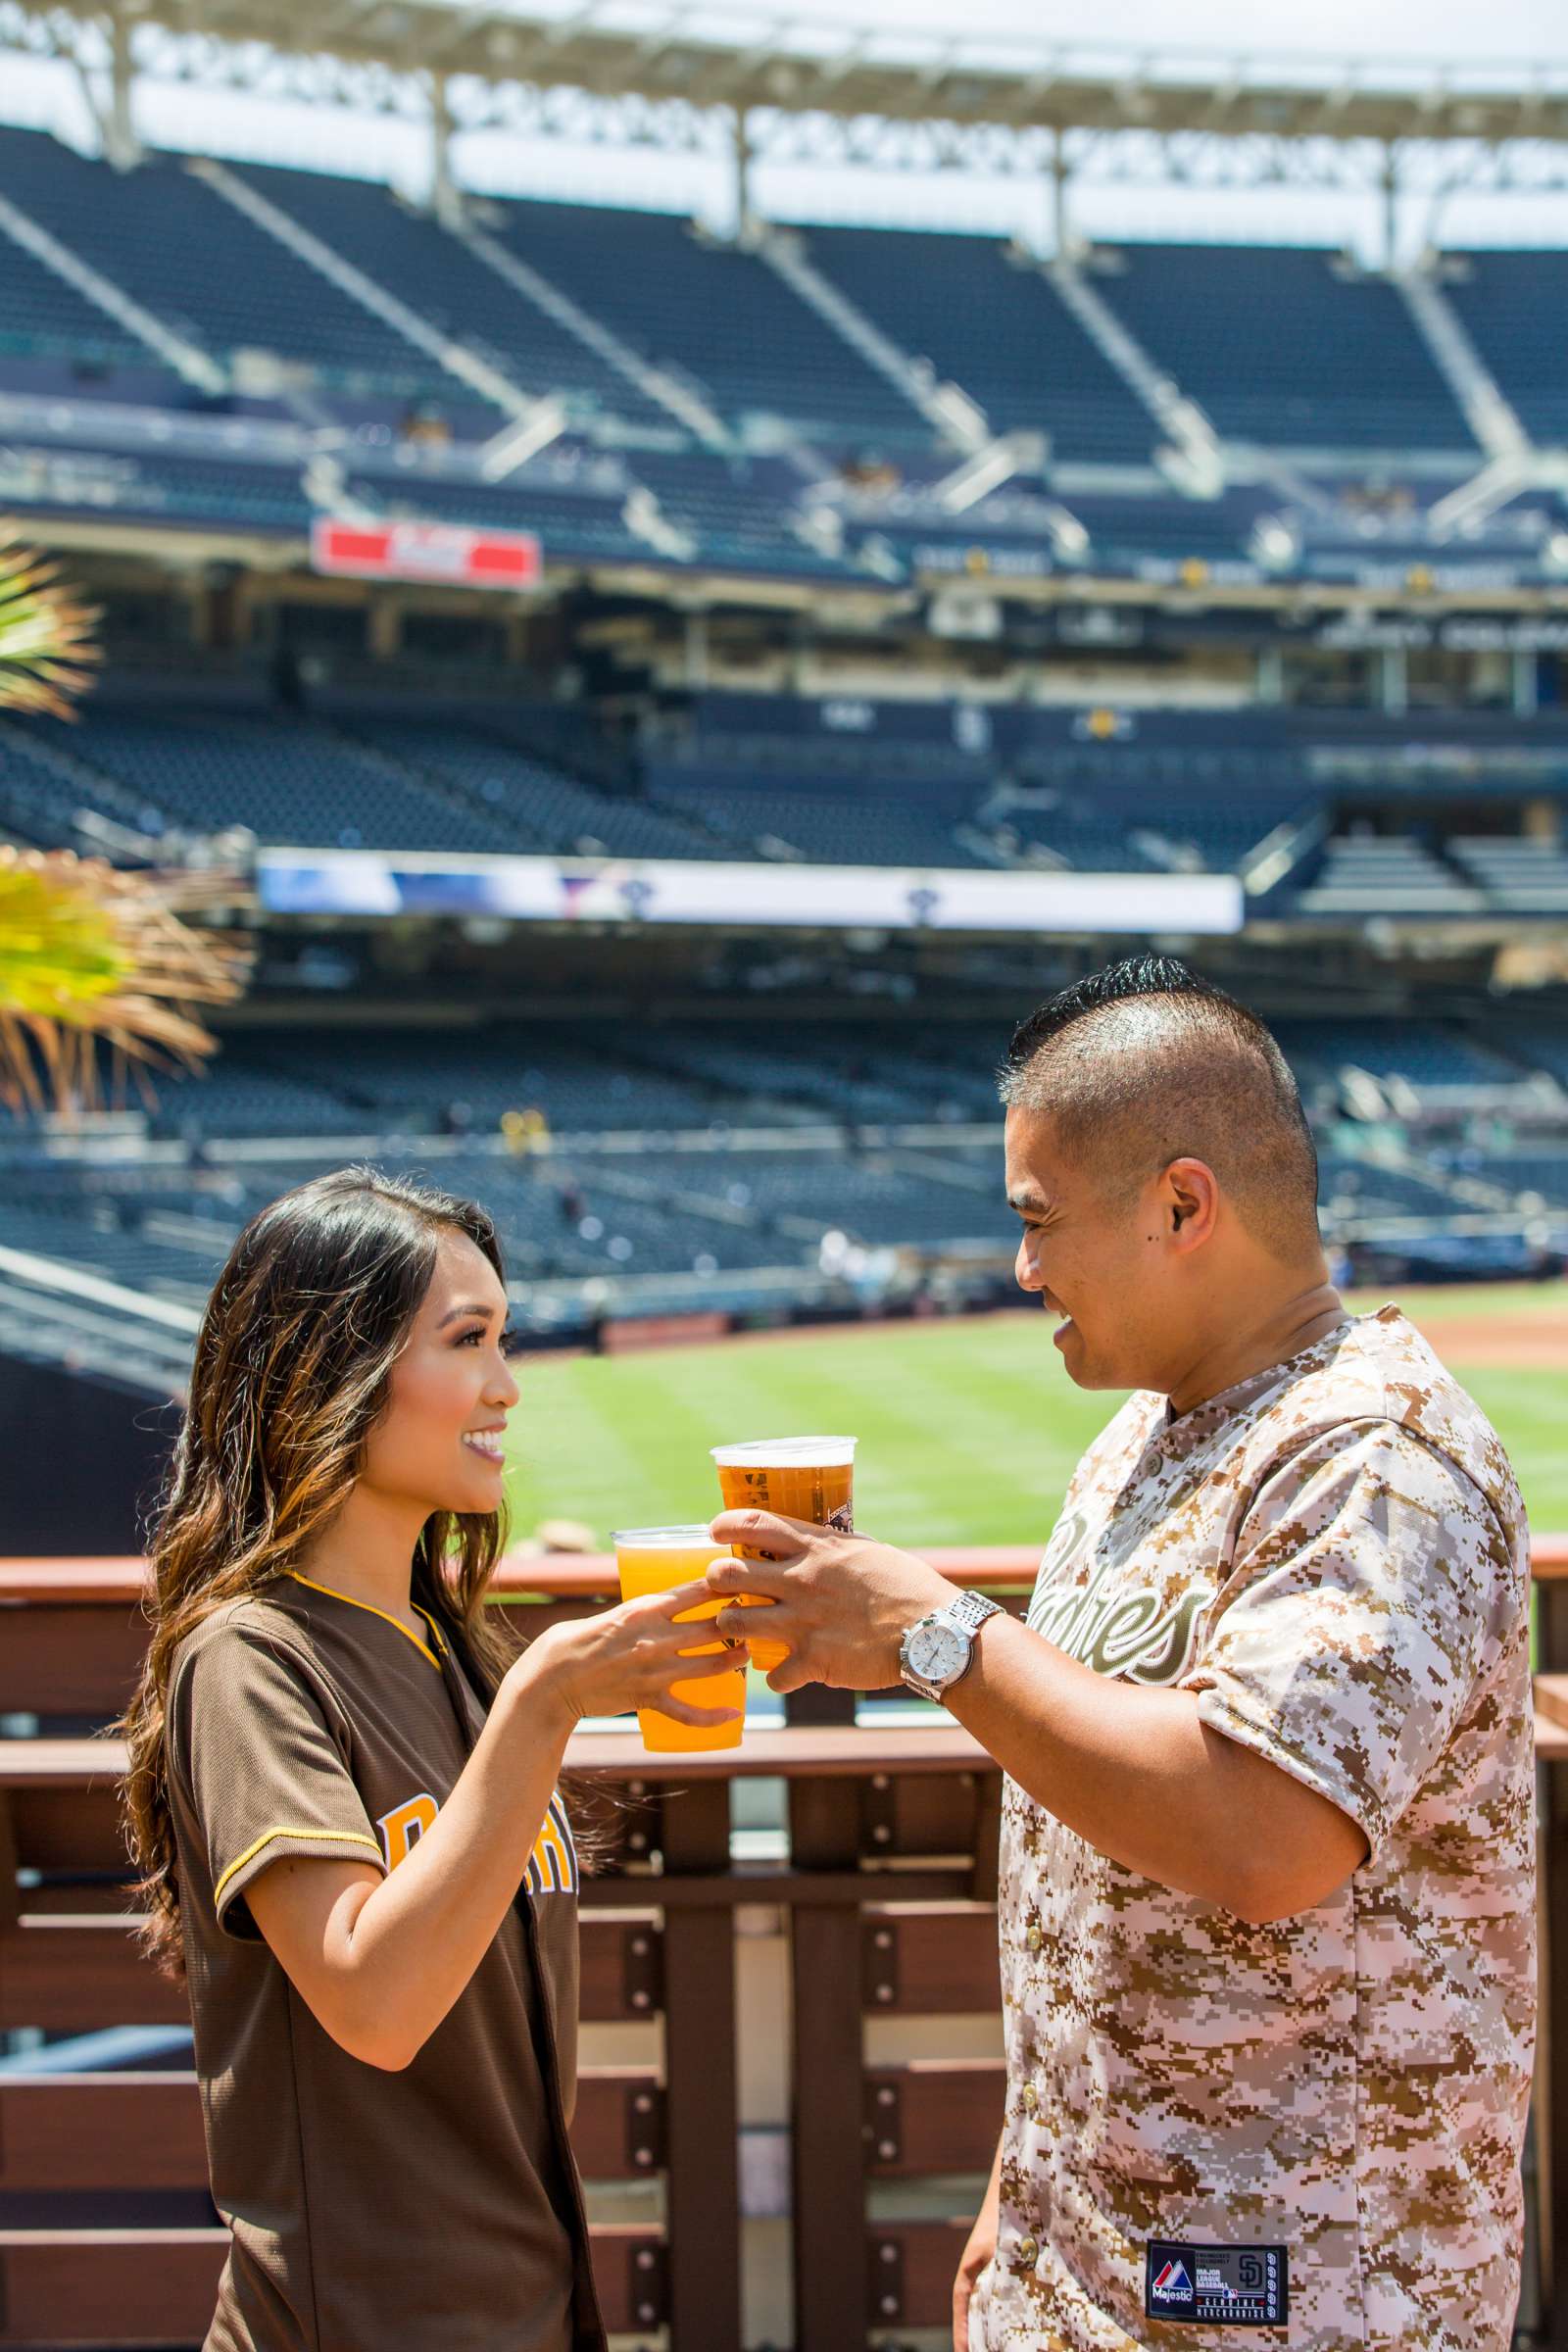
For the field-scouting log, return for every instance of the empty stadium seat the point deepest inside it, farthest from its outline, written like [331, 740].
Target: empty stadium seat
[718, 314]
[1511, 304]
[999, 330]
[167, 238]
[1520, 876]
[1388, 876]
[1286, 345]
[439, 276]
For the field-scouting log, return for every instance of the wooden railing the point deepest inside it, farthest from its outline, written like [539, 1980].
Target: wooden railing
[887, 1889]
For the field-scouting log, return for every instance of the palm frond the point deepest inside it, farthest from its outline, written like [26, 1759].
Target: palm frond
[46, 645]
[97, 965]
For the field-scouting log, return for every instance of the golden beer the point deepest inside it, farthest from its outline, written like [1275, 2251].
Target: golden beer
[655, 1559]
[798, 1478]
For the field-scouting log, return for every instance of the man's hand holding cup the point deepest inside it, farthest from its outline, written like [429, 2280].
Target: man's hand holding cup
[842, 1604]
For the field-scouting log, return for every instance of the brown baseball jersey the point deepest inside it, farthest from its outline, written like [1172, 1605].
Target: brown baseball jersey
[438, 2209]
[1308, 2130]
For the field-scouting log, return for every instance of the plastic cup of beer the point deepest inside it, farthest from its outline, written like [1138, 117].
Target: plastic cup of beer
[655, 1559]
[798, 1478]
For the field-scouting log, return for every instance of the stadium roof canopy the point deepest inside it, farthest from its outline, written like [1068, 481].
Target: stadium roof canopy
[750, 58]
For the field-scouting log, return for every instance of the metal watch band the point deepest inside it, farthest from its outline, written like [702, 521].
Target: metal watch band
[971, 1611]
[966, 1615]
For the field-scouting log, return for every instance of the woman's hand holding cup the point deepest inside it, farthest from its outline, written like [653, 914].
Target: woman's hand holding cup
[627, 1656]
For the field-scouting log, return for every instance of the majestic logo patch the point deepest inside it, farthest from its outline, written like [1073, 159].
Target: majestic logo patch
[1233, 2286]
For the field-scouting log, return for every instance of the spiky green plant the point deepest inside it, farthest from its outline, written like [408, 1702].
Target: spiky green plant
[100, 976]
[46, 642]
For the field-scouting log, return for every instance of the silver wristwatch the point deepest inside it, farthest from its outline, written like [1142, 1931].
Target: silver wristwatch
[937, 1649]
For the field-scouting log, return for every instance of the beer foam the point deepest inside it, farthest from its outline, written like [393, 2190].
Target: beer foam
[786, 1453]
[664, 1539]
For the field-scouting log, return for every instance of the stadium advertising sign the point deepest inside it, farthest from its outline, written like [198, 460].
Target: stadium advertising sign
[552, 889]
[425, 551]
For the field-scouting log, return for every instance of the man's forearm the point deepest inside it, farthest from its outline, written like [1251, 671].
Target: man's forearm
[1136, 1772]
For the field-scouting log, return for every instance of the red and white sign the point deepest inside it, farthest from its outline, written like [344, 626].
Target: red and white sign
[425, 551]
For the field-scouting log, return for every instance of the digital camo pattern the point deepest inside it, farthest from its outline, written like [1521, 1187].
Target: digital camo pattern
[1333, 1556]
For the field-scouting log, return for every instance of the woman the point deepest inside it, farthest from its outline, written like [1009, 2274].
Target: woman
[343, 1794]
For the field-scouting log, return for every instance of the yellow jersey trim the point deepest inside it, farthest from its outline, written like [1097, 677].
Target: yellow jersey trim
[385, 1616]
[337, 1837]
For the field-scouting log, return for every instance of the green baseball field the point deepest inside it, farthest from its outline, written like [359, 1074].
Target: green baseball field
[968, 1428]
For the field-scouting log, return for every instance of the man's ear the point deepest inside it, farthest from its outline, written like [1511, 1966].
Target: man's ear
[1190, 1198]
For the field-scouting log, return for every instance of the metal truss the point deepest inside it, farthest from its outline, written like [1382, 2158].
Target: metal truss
[642, 73]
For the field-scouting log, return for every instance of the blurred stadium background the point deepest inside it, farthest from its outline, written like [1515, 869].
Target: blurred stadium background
[829, 640]
[669, 693]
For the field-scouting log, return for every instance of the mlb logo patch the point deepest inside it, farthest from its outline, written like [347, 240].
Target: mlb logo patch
[1230, 2286]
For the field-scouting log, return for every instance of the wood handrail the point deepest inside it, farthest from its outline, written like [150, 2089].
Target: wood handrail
[794, 1751]
[840, 1751]
[577, 1575]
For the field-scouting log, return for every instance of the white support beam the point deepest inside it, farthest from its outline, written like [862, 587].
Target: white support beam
[1193, 437]
[121, 146]
[445, 197]
[678, 399]
[192, 366]
[454, 358]
[1495, 422]
[959, 419]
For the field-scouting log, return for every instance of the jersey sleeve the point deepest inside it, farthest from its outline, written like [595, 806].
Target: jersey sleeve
[254, 1743]
[1370, 1582]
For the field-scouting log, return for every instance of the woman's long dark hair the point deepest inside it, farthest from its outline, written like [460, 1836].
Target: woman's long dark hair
[304, 1325]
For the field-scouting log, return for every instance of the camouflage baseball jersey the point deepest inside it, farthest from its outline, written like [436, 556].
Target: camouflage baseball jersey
[1308, 2130]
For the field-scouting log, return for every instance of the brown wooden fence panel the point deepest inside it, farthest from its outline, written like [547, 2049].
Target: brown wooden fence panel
[933, 2114]
[80, 2287]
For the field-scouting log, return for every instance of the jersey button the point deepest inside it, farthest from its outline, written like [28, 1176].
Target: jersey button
[1035, 1937]
[1031, 2097]
[1028, 2249]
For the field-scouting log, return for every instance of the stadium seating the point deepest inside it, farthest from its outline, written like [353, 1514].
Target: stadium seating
[1519, 875]
[870, 828]
[167, 238]
[1390, 875]
[1349, 1188]
[583, 520]
[169, 486]
[440, 278]
[1510, 304]
[1286, 345]
[1435, 1062]
[288, 781]
[42, 317]
[1126, 532]
[718, 314]
[403, 1084]
[540, 807]
[613, 1197]
[741, 515]
[1000, 331]
[1542, 1172]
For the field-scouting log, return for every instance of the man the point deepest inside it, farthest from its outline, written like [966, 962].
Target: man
[1267, 1904]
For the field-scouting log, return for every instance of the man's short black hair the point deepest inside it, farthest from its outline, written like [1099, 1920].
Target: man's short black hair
[1144, 1062]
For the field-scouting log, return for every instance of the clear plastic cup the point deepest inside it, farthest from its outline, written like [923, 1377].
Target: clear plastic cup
[798, 1478]
[655, 1559]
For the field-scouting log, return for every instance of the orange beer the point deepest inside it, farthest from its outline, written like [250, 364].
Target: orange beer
[653, 1560]
[798, 1478]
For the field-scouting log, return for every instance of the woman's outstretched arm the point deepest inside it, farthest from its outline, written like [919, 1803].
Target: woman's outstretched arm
[379, 1961]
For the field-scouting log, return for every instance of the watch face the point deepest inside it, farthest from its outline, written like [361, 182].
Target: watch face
[937, 1654]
